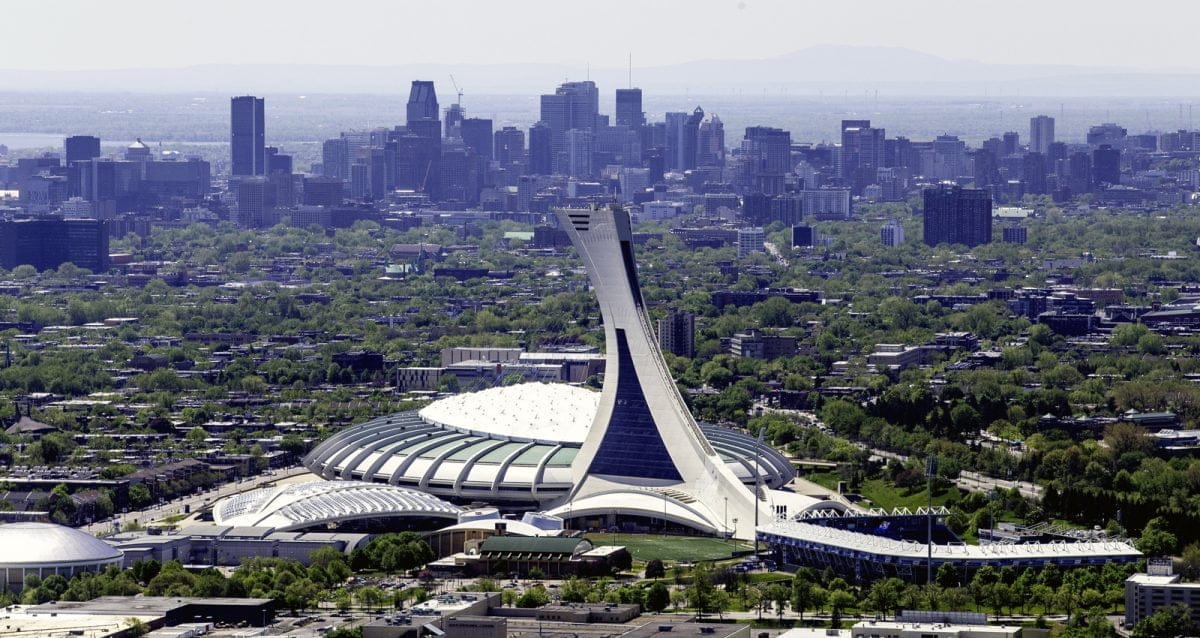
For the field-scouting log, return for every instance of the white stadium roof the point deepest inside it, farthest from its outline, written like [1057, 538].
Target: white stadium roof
[304, 505]
[539, 412]
[814, 534]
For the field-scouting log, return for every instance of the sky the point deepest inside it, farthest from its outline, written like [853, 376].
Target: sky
[112, 34]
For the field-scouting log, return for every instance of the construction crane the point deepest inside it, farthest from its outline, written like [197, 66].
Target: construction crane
[457, 89]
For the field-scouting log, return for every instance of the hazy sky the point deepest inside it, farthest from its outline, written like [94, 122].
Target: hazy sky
[85, 34]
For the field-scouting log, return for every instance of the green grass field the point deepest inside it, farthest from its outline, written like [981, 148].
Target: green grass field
[646, 547]
[882, 494]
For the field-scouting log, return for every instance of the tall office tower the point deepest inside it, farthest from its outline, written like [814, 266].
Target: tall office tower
[454, 119]
[863, 152]
[81, 147]
[767, 154]
[247, 137]
[335, 158]
[381, 174]
[1033, 173]
[750, 240]
[251, 205]
[1106, 166]
[1041, 134]
[987, 167]
[629, 108]
[360, 180]
[949, 157]
[460, 174]
[688, 140]
[509, 145]
[541, 149]
[1079, 173]
[675, 123]
[49, 242]
[891, 234]
[644, 450]
[710, 143]
[580, 146]
[477, 136]
[677, 334]
[956, 215]
[574, 105]
[1056, 153]
[281, 187]
[422, 102]
[1012, 143]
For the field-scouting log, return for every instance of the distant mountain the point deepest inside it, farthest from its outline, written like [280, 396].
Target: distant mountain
[825, 68]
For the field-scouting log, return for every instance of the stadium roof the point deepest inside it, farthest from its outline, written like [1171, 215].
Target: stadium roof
[304, 505]
[540, 412]
[819, 536]
[509, 444]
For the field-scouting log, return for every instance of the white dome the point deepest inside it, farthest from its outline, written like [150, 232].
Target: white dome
[47, 544]
[552, 412]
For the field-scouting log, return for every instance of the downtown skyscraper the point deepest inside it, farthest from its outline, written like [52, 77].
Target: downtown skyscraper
[247, 136]
[573, 105]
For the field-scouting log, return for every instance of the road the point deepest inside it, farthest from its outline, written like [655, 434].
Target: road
[773, 251]
[192, 502]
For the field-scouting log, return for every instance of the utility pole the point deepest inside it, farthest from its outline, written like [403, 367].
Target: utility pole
[931, 467]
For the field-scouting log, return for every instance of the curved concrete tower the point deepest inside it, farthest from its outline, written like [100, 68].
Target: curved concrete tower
[644, 454]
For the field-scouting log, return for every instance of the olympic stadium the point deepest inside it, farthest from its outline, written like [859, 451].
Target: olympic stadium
[510, 446]
[630, 457]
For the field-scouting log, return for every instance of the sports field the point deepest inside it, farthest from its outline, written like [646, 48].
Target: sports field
[646, 547]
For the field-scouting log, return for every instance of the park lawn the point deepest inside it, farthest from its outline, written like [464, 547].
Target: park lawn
[646, 547]
[887, 496]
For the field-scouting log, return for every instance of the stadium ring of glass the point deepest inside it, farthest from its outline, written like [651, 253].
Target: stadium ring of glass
[510, 445]
[46, 549]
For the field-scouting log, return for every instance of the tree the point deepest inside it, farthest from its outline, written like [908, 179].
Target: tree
[534, 597]
[301, 594]
[779, 596]
[1189, 562]
[655, 569]
[1155, 540]
[839, 601]
[508, 597]
[370, 597]
[139, 496]
[884, 595]
[341, 600]
[657, 597]
[1168, 622]
[804, 595]
[947, 576]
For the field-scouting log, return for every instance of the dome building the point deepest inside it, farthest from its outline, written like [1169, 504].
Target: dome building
[46, 549]
[510, 446]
